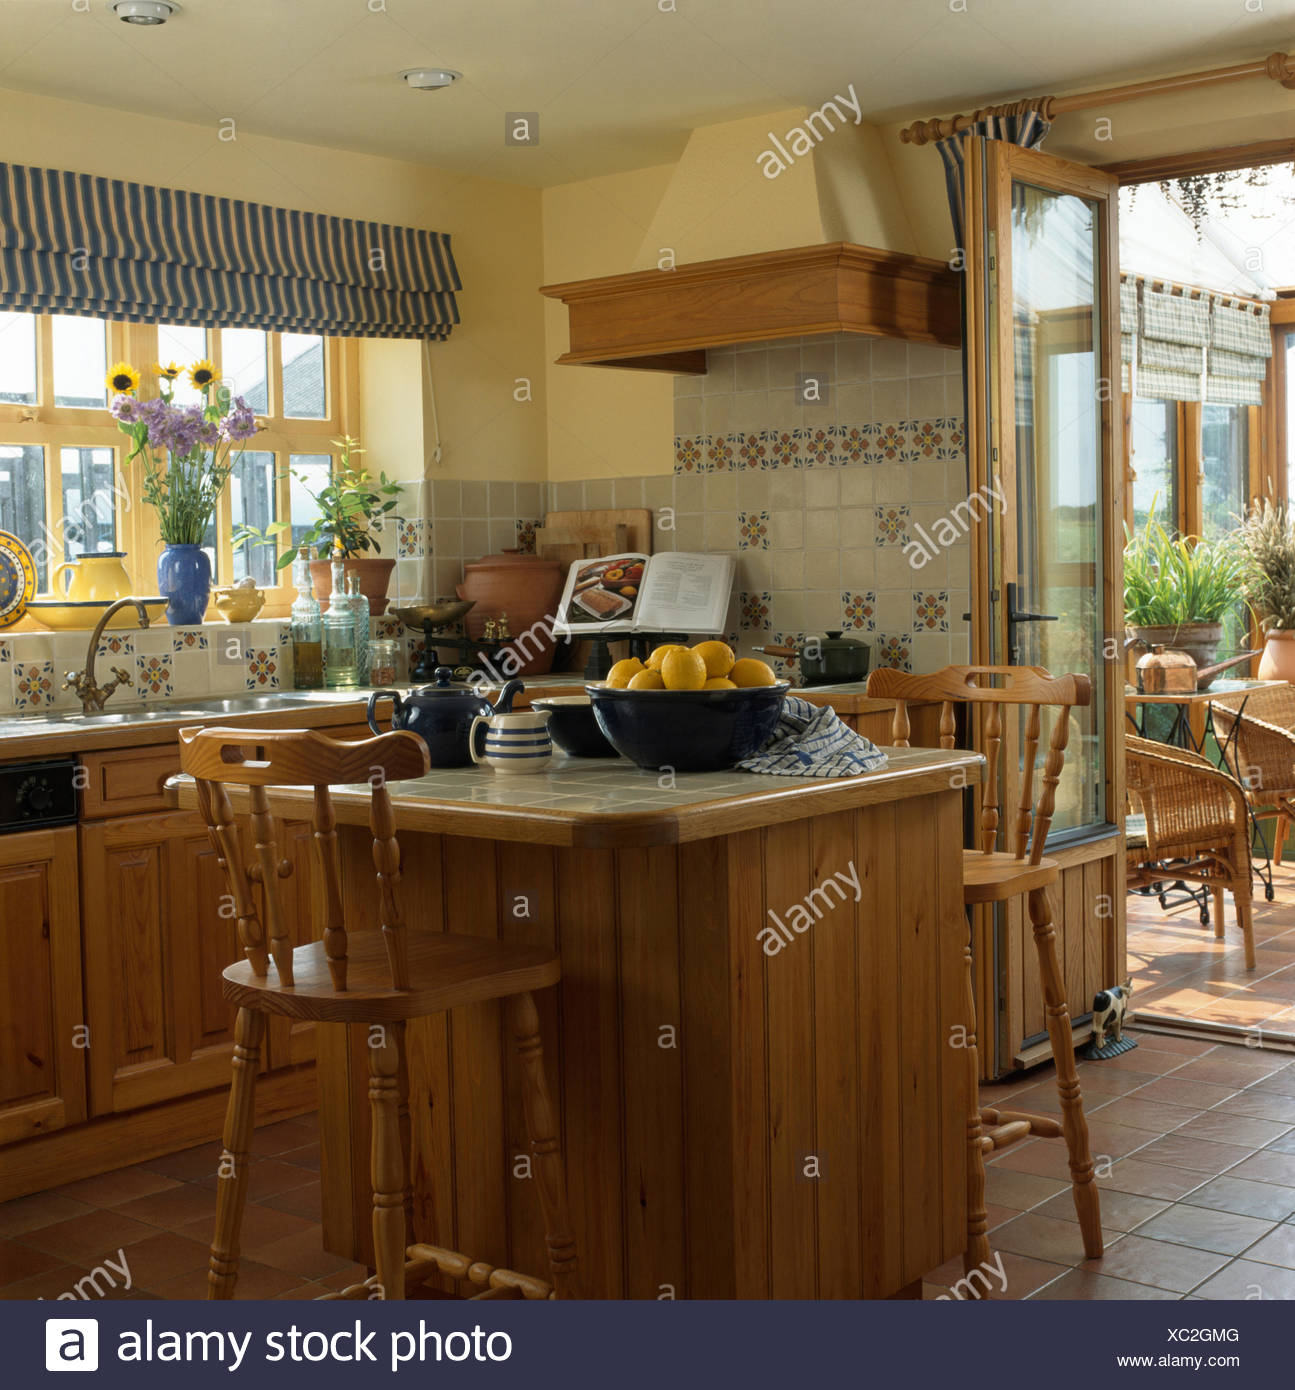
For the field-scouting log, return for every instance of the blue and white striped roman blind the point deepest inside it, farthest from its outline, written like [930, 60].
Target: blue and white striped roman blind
[76, 244]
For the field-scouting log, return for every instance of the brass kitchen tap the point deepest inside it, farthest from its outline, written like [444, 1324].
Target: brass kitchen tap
[83, 682]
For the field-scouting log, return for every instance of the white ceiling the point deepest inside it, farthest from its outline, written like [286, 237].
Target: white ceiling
[618, 84]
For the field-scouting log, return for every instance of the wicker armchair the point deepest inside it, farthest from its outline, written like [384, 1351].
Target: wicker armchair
[1259, 744]
[1196, 818]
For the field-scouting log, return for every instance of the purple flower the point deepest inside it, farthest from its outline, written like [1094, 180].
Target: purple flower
[125, 408]
[239, 424]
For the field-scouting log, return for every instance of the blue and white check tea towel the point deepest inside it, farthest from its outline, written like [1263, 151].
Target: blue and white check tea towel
[813, 742]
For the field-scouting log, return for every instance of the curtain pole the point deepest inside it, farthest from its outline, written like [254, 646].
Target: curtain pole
[1279, 67]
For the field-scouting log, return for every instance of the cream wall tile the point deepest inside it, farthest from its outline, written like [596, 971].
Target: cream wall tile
[720, 373]
[892, 570]
[822, 487]
[719, 415]
[720, 492]
[891, 482]
[889, 359]
[476, 540]
[858, 486]
[822, 609]
[859, 568]
[927, 359]
[627, 492]
[501, 499]
[926, 398]
[685, 384]
[927, 480]
[446, 497]
[822, 528]
[823, 568]
[689, 492]
[784, 364]
[752, 412]
[720, 531]
[787, 610]
[854, 404]
[755, 569]
[786, 529]
[787, 489]
[530, 499]
[853, 357]
[788, 569]
[890, 399]
[569, 497]
[818, 358]
[658, 491]
[449, 538]
[754, 489]
[503, 535]
[474, 501]
[598, 493]
[689, 417]
[751, 371]
[785, 410]
[689, 533]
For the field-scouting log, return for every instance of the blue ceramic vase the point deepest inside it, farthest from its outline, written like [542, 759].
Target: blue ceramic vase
[184, 580]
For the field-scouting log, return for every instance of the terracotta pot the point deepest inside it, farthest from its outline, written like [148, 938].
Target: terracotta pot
[1278, 661]
[527, 589]
[375, 578]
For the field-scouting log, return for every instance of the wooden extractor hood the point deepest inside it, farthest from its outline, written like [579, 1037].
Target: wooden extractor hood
[664, 320]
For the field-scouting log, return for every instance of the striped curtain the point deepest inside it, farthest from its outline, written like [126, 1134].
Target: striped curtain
[1240, 345]
[76, 244]
[1025, 128]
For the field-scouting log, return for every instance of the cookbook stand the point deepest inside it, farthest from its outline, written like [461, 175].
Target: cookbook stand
[641, 643]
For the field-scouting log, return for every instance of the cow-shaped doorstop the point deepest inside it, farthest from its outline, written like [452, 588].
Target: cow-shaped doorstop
[1110, 1007]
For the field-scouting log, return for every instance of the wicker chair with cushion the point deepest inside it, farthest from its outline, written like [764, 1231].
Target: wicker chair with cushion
[1194, 827]
[1258, 740]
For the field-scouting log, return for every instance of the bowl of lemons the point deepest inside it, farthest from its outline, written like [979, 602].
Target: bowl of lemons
[688, 709]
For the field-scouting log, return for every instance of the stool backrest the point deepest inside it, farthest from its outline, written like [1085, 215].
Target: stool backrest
[218, 759]
[995, 687]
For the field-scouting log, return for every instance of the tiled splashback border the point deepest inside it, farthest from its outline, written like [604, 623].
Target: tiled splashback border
[829, 446]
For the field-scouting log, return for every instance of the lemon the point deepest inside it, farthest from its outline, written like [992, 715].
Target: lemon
[623, 672]
[647, 680]
[749, 672]
[718, 657]
[682, 669]
[719, 683]
[658, 656]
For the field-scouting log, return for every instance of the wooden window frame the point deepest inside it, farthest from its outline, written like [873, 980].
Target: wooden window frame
[53, 428]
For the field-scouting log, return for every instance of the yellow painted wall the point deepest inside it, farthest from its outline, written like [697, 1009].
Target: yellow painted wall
[497, 244]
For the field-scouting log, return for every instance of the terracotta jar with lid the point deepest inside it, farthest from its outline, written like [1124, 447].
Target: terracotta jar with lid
[527, 589]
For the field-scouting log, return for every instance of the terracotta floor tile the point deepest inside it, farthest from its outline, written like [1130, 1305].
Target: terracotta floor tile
[1047, 1158]
[19, 1261]
[305, 1157]
[40, 1209]
[1172, 1042]
[996, 1215]
[1284, 1144]
[1276, 1248]
[283, 1135]
[177, 1205]
[1222, 1128]
[302, 1255]
[353, 1274]
[62, 1278]
[1144, 1058]
[1260, 1105]
[87, 1239]
[254, 1281]
[262, 1225]
[1112, 1140]
[1157, 1262]
[112, 1189]
[1199, 1155]
[1019, 1190]
[304, 1291]
[271, 1175]
[1232, 1071]
[1267, 1166]
[1280, 1083]
[1045, 1238]
[1246, 1198]
[1090, 1286]
[1121, 1211]
[1102, 1080]
[1205, 1228]
[1146, 1114]
[1249, 1280]
[300, 1201]
[1145, 1179]
[188, 1165]
[1199, 1095]
[161, 1257]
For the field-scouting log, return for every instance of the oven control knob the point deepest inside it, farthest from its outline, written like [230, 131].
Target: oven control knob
[34, 796]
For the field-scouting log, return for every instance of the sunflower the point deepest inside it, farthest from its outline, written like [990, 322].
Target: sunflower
[170, 370]
[122, 377]
[203, 374]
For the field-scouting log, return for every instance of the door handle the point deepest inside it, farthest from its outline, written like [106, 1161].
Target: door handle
[1016, 616]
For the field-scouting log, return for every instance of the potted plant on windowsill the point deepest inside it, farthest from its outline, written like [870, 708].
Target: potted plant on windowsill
[1179, 589]
[353, 508]
[1267, 541]
[188, 454]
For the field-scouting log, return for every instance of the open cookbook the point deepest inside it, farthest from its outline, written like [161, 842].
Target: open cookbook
[676, 591]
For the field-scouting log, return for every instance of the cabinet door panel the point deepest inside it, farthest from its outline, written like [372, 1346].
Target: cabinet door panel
[42, 1056]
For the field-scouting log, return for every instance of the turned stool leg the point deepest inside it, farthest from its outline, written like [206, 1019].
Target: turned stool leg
[231, 1176]
[541, 1129]
[386, 1044]
[1073, 1124]
[977, 1251]
[1218, 913]
[1245, 920]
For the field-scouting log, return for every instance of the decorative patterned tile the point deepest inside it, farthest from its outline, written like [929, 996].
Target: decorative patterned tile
[782, 668]
[188, 639]
[817, 446]
[115, 644]
[6, 657]
[720, 454]
[859, 610]
[753, 608]
[926, 438]
[285, 635]
[890, 441]
[690, 453]
[387, 625]
[893, 650]
[526, 529]
[753, 530]
[411, 543]
[749, 450]
[782, 449]
[930, 611]
[415, 646]
[33, 684]
[153, 677]
[892, 525]
[263, 669]
[955, 437]
[853, 445]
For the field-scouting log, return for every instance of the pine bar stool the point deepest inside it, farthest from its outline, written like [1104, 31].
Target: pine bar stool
[991, 875]
[375, 978]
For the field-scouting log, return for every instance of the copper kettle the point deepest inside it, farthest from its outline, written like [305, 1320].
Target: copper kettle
[1166, 671]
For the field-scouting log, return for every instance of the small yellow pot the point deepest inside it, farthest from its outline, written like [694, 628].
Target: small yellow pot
[237, 605]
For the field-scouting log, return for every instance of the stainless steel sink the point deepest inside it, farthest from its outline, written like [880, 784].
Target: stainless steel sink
[243, 704]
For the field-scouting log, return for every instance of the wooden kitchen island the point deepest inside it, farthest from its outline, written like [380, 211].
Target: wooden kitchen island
[741, 1119]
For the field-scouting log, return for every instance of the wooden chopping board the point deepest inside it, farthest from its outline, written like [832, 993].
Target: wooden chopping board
[595, 532]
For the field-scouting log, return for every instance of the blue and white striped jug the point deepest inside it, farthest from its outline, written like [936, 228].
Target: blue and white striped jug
[514, 742]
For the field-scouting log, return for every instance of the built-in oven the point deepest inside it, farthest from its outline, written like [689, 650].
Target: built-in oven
[37, 794]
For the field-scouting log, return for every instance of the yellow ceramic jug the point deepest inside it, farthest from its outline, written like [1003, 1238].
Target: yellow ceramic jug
[95, 578]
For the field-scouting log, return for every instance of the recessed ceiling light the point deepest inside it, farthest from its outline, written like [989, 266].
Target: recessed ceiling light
[429, 79]
[148, 12]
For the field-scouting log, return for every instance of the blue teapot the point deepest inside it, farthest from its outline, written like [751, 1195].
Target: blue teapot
[442, 714]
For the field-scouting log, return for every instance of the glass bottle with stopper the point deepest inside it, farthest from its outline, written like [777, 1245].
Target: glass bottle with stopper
[307, 631]
[360, 612]
[339, 635]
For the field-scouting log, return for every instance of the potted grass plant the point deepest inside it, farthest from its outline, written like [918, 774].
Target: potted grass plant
[1267, 542]
[1179, 590]
[187, 453]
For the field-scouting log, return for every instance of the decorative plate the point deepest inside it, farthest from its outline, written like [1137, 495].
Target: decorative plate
[17, 579]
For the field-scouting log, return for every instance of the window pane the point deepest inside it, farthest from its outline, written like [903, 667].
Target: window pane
[243, 368]
[22, 501]
[80, 362]
[316, 469]
[1155, 462]
[184, 347]
[18, 359]
[1225, 466]
[252, 503]
[89, 504]
[1290, 415]
[304, 394]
